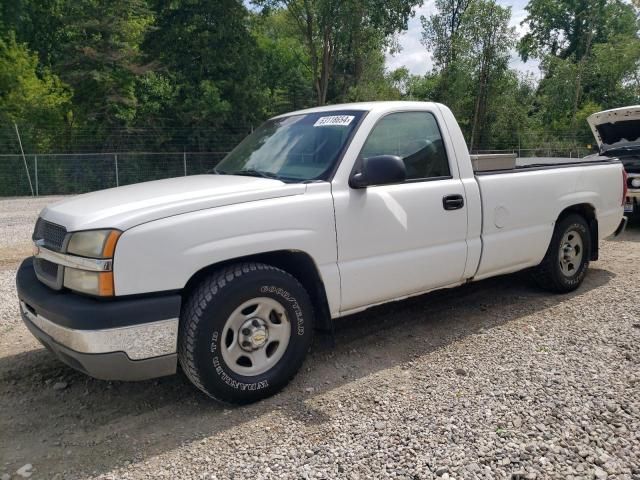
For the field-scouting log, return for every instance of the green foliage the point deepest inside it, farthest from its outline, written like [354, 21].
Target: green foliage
[565, 28]
[32, 97]
[285, 73]
[214, 57]
[341, 36]
[590, 59]
[613, 73]
[471, 42]
[91, 75]
[442, 32]
[101, 59]
[38, 23]
[374, 83]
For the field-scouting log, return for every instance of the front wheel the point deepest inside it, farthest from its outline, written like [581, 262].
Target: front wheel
[565, 264]
[244, 332]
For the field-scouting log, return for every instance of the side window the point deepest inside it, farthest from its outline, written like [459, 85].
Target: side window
[413, 136]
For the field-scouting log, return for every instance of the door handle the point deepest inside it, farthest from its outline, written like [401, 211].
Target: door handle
[452, 202]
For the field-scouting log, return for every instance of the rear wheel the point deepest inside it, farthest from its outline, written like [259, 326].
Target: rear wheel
[565, 264]
[244, 332]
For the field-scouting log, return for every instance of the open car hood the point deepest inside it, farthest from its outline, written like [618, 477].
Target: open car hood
[618, 127]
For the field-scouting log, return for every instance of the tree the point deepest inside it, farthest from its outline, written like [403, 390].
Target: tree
[613, 74]
[39, 24]
[490, 39]
[565, 28]
[283, 62]
[30, 94]
[374, 82]
[213, 58]
[334, 29]
[590, 53]
[441, 31]
[101, 58]
[471, 42]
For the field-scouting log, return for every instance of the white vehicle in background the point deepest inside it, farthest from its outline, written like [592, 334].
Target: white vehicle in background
[617, 133]
[316, 215]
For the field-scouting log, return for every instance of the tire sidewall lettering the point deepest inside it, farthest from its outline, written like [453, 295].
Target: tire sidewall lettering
[291, 300]
[235, 384]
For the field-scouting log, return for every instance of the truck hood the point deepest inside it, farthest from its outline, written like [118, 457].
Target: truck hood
[615, 128]
[131, 205]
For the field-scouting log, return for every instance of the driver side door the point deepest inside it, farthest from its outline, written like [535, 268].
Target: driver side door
[402, 239]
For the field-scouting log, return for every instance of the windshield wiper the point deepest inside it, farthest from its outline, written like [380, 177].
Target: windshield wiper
[250, 172]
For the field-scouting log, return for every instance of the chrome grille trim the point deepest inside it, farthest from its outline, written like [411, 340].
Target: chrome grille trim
[73, 261]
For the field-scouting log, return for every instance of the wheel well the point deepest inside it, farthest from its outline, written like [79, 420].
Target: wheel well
[588, 212]
[297, 263]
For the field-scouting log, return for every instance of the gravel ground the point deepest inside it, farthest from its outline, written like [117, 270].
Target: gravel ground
[17, 216]
[492, 380]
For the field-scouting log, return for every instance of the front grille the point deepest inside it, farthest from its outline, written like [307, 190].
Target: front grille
[48, 273]
[51, 234]
[48, 268]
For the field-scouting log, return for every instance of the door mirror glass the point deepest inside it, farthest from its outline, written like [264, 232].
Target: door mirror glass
[379, 170]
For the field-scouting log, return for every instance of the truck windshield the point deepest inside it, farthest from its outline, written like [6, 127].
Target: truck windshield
[294, 148]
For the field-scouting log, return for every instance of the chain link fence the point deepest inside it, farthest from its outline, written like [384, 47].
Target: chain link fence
[62, 174]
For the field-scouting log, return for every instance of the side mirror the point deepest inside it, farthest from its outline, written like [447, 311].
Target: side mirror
[380, 170]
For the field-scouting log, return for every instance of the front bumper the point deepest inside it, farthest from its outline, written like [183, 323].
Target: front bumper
[115, 339]
[633, 193]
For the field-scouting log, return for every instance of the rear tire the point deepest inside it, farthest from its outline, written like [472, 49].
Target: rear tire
[565, 264]
[244, 332]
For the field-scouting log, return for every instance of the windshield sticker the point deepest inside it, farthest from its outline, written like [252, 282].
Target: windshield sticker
[340, 120]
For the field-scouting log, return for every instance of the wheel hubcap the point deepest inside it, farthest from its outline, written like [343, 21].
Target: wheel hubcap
[255, 336]
[571, 252]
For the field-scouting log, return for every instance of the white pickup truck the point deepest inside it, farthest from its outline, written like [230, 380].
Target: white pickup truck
[317, 214]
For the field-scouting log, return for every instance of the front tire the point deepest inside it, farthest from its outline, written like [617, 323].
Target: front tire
[244, 332]
[567, 259]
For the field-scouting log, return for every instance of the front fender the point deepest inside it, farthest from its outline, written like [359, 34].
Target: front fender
[164, 254]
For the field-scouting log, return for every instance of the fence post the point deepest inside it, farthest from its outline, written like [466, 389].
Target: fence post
[24, 158]
[184, 162]
[117, 179]
[36, 167]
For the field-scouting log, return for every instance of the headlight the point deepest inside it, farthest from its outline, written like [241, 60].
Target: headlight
[93, 243]
[93, 283]
[635, 182]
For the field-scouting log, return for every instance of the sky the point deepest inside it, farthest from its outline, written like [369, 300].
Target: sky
[417, 59]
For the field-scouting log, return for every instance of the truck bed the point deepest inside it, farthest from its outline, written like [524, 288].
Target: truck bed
[530, 163]
[520, 204]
